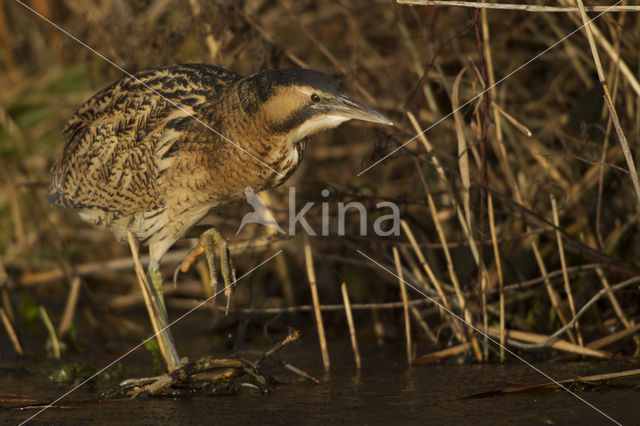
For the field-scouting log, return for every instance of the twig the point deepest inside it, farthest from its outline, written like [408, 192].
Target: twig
[292, 336]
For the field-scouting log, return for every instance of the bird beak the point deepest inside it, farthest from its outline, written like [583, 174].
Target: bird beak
[343, 106]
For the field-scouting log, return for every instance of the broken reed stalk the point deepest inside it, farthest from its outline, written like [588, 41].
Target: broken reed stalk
[53, 336]
[311, 274]
[13, 336]
[438, 356]
[403, 294]
[518, 7]
[352, 329]
[540, 341]
[563, 262]
[70, 307]
[496, 256]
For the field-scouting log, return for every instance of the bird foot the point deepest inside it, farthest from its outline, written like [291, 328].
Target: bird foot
[209, 241]
[210, 375]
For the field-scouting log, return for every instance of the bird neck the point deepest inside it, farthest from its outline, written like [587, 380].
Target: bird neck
[257, 133]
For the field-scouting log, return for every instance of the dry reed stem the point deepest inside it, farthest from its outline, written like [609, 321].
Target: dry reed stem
[145, 289]
[613, 299]
[437, 356]
[4, 292]
[322, 48]
[614, 337]
[496, 256]
[423, 324]
[299, 372]
[497, 116]
[352, 329]
[292, 57]
[70, 307]
[415, 269]
[405, 305]
[583, 310]
[629, 325]
[212, 44]
[611, 51]
[13, 336]
[563, 262]
[464, 220]
[53, 336]
[462, 336]
[518, 7]
[575, 55]
[557, 384]
[311, 274]
[500, 112]
[126, 263]
[542, 340]
[452, 273]
[601, 168]
[610, 105]
[425, 265]
[6, 303]
[415, 56]
[463, 152]
[551, 292]
[281, 262]
[16, 213]
[182, 303]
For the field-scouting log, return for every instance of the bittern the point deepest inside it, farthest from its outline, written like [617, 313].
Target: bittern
[151, 154]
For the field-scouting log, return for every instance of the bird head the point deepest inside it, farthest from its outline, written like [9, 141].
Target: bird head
[297, 103]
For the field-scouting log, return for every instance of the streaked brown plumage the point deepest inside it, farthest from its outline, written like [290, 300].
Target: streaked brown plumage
[154, 153]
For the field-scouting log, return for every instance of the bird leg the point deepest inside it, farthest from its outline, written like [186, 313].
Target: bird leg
[155, 306]
[209, 241]
[165, 340]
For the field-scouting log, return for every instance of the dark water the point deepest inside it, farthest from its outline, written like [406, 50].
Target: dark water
[384, 391]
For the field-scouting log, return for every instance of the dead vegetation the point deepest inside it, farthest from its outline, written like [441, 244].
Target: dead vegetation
[512, 161]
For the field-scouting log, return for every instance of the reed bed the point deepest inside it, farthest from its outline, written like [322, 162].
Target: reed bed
[512, 160]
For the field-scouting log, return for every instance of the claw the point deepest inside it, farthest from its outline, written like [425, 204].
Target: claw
[209, 241]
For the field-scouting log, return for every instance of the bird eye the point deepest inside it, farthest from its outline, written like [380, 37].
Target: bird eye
[315, 98]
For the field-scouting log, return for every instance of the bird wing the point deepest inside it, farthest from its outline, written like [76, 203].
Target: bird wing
[112, 158]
